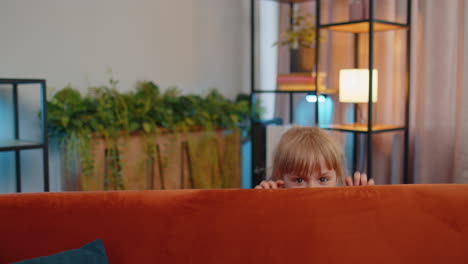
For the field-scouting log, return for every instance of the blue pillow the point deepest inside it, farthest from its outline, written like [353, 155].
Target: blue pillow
[91, 253]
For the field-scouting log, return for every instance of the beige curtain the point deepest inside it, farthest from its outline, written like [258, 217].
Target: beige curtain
[439, 122]
[439, 113]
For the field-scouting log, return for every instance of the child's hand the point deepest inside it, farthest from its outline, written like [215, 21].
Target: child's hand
[270, 185]
[360, 179]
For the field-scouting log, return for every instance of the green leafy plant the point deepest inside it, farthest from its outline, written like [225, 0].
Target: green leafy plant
[74, 120]
[301, 34]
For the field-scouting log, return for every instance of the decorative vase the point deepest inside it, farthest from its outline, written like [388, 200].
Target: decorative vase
[302, 59]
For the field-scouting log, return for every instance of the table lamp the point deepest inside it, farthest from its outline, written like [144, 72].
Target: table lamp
[354, 87]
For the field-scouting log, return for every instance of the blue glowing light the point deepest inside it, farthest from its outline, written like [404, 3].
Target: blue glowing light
[311, 98]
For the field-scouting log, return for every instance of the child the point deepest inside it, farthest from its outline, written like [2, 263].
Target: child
[308, 157]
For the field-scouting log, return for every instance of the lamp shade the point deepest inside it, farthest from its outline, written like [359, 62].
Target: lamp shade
[354, 85]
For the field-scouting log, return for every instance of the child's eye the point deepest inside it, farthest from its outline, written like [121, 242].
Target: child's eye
[323, 179]
[300, 180]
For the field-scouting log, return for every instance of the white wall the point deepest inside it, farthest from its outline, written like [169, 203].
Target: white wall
[192, 44]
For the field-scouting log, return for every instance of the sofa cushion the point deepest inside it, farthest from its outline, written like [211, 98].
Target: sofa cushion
[91, 253]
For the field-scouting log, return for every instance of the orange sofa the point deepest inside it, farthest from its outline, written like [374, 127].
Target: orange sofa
[377, 224]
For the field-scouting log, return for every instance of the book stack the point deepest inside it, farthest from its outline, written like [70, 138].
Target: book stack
[301, 82]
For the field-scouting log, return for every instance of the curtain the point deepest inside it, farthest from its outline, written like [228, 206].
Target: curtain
[439, 121]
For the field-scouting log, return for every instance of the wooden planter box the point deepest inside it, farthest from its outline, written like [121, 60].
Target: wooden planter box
[197, 159]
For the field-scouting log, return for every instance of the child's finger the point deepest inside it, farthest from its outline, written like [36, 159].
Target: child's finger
[371, 182]
[349, 181]
[265, 185]
[280, 183]
[363, 179]
[357, 177]
[273, 185]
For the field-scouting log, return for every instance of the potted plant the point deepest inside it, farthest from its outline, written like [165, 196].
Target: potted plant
[113, 140]
[301, 40]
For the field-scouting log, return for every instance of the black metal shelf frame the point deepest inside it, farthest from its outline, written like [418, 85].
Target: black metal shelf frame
[357, 131]
[354, 22]
[17, 144]
[371, 24]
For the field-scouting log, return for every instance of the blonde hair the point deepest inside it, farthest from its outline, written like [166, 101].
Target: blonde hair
[301, 151]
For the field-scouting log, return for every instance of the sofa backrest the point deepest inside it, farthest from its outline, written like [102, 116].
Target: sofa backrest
[376, 224]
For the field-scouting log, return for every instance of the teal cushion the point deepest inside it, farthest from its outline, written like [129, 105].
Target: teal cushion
[91, 253]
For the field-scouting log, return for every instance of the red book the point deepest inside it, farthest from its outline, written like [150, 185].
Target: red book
[300, 81]
[295, 79]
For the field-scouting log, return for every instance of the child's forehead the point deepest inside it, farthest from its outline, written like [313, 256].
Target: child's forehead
[310, 171]
[310, 174]
[317, 164]
[306, 162]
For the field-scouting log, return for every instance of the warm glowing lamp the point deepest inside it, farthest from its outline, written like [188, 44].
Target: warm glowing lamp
[354, 86]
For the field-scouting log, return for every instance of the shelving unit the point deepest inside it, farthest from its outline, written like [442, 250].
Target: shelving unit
[370, 26]
[17, 144]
